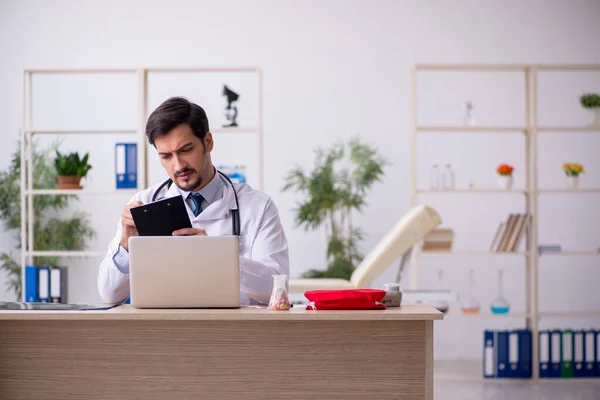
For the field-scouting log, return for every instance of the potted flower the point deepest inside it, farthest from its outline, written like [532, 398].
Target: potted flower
[70, 168]
[572, 172]
[591, 101]
[505, 180]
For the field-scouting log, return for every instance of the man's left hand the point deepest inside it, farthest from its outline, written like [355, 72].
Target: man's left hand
[190, 232]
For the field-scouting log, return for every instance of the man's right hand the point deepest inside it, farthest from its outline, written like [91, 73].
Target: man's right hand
[127, 224]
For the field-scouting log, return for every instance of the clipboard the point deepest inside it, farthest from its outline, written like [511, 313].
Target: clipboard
[162, 217]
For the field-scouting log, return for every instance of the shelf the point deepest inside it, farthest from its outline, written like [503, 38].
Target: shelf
[472, 253]
[568, 191]
[66, 253]
[498, 129]
[79, 191]
[571, 253]
[486, 314]
[570, 314]
[475, 191]
[234, 130]
[82, 131]
[591, 129]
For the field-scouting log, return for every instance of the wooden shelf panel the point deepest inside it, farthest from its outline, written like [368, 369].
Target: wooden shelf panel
[80, 191]
[474, 191]
[82, 131]
[459, 129]
[567, 129]
[66, 253]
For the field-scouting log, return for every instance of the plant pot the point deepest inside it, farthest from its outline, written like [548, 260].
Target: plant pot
[505, 181]
[69, 182]
[572, 182]
[594, 116]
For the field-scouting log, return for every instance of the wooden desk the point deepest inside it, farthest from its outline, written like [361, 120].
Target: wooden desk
[250, 353]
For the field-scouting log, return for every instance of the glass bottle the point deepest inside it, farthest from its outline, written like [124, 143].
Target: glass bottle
[448, 178]
[471, 305]
[279, 295]
[468, 118]
[440, 305]
[434, 178]
[500, 305]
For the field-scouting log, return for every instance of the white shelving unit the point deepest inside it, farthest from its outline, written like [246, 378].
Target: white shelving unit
[28, 131]
[531, 130]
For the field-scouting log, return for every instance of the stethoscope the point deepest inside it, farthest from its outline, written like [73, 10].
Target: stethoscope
[235, 214]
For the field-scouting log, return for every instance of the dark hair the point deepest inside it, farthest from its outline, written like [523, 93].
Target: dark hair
[174, 112]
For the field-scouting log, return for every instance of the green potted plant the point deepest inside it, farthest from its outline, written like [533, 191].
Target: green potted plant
[336, 187]
[50, 231]
[591, 101]
[70, 168]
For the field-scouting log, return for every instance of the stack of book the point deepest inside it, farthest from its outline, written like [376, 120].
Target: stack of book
[438, 240]
[510, 233]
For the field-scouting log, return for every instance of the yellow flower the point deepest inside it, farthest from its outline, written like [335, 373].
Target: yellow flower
[573, 169]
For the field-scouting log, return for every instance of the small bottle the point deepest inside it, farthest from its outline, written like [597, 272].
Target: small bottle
[434, 178]
[448, 178]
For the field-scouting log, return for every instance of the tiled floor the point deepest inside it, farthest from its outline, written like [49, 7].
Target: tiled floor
[462, 381]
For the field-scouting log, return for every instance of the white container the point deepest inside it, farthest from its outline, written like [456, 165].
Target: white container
[434, 178]
[594, 116]
[572, 182]
[505, 181]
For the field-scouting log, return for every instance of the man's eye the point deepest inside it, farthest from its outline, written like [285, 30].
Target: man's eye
[166, 157]
[185, 150]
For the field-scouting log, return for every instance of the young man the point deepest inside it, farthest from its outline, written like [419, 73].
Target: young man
[180, 133]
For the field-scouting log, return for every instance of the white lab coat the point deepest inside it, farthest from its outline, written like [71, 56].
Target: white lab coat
[263, 253]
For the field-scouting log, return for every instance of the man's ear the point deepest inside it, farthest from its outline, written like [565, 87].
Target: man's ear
[208, 142]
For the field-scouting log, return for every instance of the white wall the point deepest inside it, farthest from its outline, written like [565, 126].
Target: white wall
[337, 68]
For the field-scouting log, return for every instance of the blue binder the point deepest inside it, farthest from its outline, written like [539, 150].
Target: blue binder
[525, 354]
[502, 361]
[589, 354]
[126, 165]
[489, 362]
[31, 284]
[579, 354]
[597, 353]
[544, 353]
[555, 353]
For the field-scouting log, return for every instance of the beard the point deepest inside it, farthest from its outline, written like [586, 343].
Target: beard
[190, 182]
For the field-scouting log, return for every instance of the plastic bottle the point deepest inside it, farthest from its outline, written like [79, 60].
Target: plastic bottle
[448, 178]
[434, 178]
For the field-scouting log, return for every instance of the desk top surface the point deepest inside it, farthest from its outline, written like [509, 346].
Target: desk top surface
[415, 312]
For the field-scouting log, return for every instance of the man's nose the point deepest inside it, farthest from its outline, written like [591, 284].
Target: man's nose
[180, 165]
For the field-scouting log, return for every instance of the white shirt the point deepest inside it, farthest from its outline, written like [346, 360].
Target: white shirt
[263, 253]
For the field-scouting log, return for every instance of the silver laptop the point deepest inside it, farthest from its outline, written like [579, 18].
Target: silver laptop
[184, 271]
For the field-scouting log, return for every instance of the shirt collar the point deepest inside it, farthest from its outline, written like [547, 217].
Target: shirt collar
[209, 192]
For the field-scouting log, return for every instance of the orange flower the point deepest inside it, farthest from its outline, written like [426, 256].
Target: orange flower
[504, 169]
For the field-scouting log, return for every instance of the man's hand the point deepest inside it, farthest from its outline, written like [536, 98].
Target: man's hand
[190, 232]
[127, 224]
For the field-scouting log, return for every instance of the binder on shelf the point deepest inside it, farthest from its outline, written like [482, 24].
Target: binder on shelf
[126, 165]
[43, 284]
[524, 354]
[578, 354]
[502, 356]
[513, 354]
[555, 353]
[597, 334]
[567, 354]
[31, 284]
[544, 354]
[58, 285]
[589, 361]
[489, 362]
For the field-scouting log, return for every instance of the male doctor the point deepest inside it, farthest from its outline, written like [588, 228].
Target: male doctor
[179, 131]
